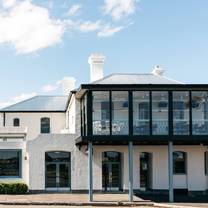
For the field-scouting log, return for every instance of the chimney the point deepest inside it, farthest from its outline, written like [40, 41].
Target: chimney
[96, 62]
[158, 71]
[68, 84]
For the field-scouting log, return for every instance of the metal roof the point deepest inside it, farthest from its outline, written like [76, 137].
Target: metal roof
[39, 103]
[135, 79]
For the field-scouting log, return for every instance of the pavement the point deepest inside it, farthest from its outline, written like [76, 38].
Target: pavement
[105, 200]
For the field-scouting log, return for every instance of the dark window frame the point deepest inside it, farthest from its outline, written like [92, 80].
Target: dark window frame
[183, 170]
[16, 122]
[43, 128]
[20, 163]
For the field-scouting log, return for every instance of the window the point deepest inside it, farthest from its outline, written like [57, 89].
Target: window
[10, 163]
[160, 113]
[101, 113]
[16, 122]
[180, 113]
[120, 113]
[45, 125]
[179, 163]
[200, 113]
[141, 113]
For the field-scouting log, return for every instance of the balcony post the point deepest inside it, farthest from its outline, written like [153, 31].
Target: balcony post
[90, 172]
[130, 158]
[170, 171]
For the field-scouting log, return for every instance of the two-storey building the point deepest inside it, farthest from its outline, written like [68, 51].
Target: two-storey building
[122, 132]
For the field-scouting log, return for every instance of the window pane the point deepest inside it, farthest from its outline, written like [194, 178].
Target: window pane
[120, 113]
[179, 163]
[101, 113]
[45, 125]
[16, 122]
[200, 113]
[160, 113]
[10, 163]
[181, 113]
[141, 113]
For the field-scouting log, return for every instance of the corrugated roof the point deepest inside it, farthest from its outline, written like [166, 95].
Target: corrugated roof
[40, 103]
[135, 79]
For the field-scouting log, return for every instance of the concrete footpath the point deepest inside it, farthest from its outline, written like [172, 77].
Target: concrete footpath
[105, 200]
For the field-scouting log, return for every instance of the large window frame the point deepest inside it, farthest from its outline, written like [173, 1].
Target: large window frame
[87, 129]
[19, 151]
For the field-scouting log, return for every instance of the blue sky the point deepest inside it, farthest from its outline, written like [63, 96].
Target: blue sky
[42, 41]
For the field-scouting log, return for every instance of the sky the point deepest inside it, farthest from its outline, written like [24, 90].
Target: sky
[43, 41]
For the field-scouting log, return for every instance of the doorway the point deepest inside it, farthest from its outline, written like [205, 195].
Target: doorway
[57, 171]
[145, 171]
[111, 171]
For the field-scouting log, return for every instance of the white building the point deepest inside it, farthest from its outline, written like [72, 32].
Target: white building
[122, 132]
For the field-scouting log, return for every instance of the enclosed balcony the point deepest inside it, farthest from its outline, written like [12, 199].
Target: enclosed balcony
[179, 114]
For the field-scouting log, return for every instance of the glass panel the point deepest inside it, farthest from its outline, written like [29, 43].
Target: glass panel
[179, 163]
[120, 111]
[51, 175]
[200, 113]
[57, 157]
[111, 156]
[101, 113]
[160, 113]
[141, 113]
[45, 125]
[115, 175]
[10, 163]
[111, 171]
[64, 175]
[105, 176]
[181, 113]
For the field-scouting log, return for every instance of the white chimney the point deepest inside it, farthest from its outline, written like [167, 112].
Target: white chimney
[158, 71]
[68, 84]
[96, 62]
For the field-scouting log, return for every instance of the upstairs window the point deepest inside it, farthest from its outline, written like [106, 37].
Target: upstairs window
[16, 122]
[179, 163]
[45, 125]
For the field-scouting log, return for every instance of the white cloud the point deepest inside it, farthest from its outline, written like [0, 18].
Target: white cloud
[74, 9]
[108, 31]
[8, 3]
[29, 27]
[89, 26]
[118, 9]
[17, 99]
[51, 87]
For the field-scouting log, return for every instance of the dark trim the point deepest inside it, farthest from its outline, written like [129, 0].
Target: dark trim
[190, 112]
[150, 112]
[130, 113]
[4, 119]
[170, 111]
[143, 140]
[64, 111]
[89, 113]
[110, 104]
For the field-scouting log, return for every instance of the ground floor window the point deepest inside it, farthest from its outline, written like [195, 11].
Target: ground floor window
[58, 170]
[10, 163]
[179, 162]
[111, 171]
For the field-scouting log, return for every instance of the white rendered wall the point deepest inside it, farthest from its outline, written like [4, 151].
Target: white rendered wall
[32, 121]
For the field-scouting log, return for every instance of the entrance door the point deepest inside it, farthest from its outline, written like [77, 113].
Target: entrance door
[58, 171]
[145, 171]
[111, 171]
